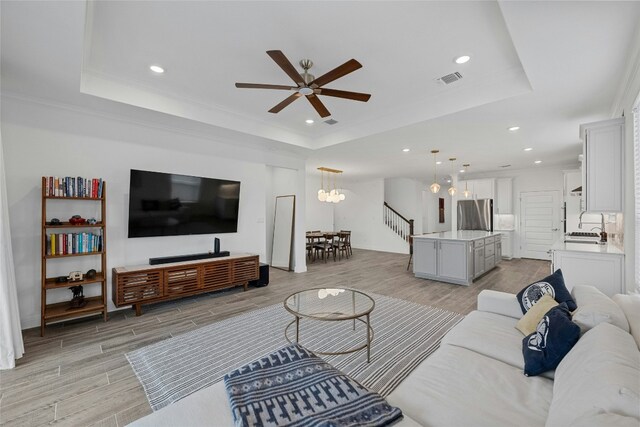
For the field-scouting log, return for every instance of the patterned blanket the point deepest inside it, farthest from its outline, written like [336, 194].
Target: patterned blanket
[293, 387]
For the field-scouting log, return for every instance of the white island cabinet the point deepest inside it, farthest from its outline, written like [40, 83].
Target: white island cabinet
[455, 257]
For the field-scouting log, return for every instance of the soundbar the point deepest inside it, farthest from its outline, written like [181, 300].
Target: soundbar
[192, 257]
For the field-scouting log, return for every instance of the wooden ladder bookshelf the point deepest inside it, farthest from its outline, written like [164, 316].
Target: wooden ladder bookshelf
[95, 305]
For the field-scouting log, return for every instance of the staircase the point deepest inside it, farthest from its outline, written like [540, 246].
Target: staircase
[397, 223]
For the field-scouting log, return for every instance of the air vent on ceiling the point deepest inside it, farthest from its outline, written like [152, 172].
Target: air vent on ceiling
[450, 78]
[331, 122]
[505, 166]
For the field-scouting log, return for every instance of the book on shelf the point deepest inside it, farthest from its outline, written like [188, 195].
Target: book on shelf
[73, 187]
[73, 243]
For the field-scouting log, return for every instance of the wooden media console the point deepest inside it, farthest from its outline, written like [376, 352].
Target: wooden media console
[147, 284]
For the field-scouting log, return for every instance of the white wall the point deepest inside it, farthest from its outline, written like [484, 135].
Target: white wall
[361, 212]
[319, 215]
[40, 140]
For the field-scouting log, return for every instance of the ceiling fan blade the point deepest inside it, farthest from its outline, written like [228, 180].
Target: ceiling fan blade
[286, 66]
[356, 96]
[318, 105]
[288, 100]
[344, 69]
[264, 86]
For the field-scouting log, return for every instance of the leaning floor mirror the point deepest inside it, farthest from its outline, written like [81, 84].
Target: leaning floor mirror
[283, 224]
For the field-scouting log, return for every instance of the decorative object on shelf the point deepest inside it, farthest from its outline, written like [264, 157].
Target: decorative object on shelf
[466, 191]
[308, 85]
[61, 279]
[55, 221]
[334, 195]
[92, 221]
[75, 276]
[435, 187]
[452, 189]
[91, 274]
[78, 300]
[77, 220]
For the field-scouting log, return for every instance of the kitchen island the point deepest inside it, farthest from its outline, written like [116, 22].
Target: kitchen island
[456, 256]
[599, 265]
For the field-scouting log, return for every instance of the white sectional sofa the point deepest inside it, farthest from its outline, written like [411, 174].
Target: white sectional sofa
[476, 376]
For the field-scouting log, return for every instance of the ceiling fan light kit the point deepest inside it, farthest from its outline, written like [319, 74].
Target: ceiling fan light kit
[308, 85]
[331, 195]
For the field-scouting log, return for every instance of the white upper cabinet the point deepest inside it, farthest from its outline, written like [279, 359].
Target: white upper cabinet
[604, 165]
[504, 203]
[479, 188]
[484, 188]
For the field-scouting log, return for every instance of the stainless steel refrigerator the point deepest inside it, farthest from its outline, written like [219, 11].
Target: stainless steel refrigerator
[475, 214]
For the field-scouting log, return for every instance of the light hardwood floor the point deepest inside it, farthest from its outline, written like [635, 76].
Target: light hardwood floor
[78, 375]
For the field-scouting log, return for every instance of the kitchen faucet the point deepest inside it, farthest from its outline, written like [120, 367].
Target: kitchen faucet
[603, 234]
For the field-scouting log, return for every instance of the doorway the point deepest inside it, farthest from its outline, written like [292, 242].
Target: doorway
[539, 223]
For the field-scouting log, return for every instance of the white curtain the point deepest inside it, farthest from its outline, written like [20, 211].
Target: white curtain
[636, 172]
[11, 346]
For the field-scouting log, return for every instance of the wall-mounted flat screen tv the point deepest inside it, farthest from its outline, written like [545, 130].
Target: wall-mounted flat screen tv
[165, 204]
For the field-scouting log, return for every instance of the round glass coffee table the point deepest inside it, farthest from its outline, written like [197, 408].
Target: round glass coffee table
[331, 305]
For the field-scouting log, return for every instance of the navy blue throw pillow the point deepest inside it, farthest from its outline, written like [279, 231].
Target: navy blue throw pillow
[554, 337]
[553, 285]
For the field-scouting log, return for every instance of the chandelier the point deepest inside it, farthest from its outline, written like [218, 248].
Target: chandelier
[330, 195]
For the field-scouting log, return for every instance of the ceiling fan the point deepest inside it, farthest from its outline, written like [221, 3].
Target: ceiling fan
[309, 86]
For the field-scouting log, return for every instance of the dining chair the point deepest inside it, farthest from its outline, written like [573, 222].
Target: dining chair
[348, 240]
[341, 245]
[325, 247]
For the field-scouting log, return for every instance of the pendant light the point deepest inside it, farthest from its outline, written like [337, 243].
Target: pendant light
[332, 194]
[322, 195]
[435, 187]
[452, 190]
[466, 191]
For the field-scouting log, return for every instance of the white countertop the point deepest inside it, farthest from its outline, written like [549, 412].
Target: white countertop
[591, 248]
[458, 235]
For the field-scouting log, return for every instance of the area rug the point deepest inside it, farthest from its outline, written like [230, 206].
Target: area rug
[405, 334]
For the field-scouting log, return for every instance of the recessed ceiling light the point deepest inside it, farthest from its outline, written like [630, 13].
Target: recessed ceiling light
[156, 69]
[461, 170]
[537, 162]
[448, 180]
[528, 149]
[462, 59]
[438, 162]
[514, 128]
[406, 150]
[309, 121]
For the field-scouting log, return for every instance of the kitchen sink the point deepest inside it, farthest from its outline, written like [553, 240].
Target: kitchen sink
[588, 242]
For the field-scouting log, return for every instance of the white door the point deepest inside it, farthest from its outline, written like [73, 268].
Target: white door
[539, 223]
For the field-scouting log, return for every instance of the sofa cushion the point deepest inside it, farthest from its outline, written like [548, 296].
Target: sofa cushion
[491, 335]
[459, 387]
[554, 337]
[553, 284]
[529, 322]
[594, 307]
[630, 305]
[601, 374]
